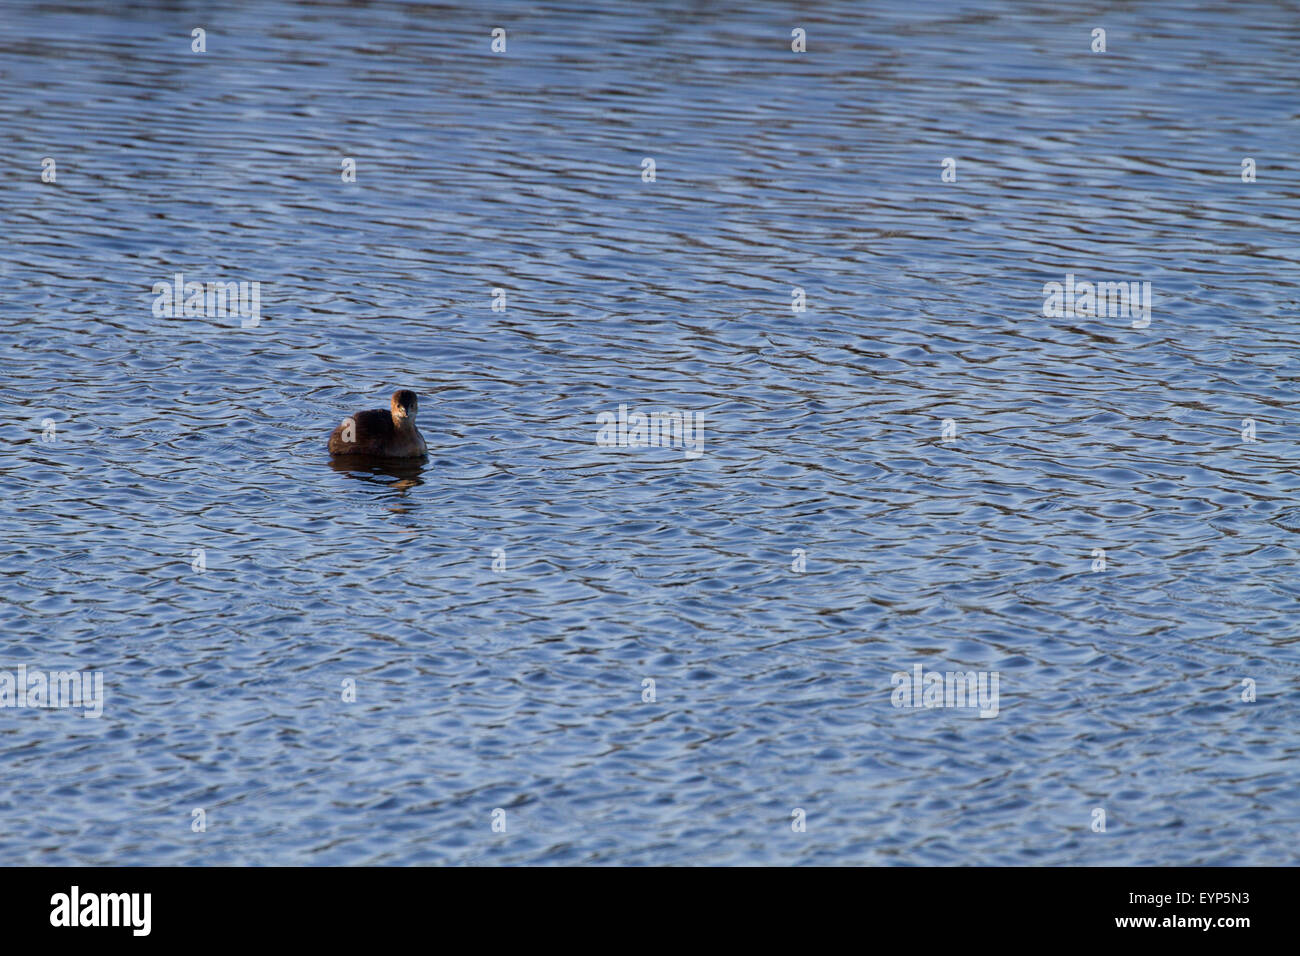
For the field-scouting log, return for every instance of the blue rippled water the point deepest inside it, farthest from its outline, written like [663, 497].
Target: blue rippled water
[170, 520]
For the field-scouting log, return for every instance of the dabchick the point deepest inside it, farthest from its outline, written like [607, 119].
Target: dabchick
[382, 434]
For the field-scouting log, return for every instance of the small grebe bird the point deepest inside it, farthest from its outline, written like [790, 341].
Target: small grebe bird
[382, 434]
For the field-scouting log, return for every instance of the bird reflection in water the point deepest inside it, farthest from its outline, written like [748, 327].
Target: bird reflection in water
[400, 474]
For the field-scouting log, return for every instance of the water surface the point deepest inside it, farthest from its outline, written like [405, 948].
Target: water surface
[522, 689]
